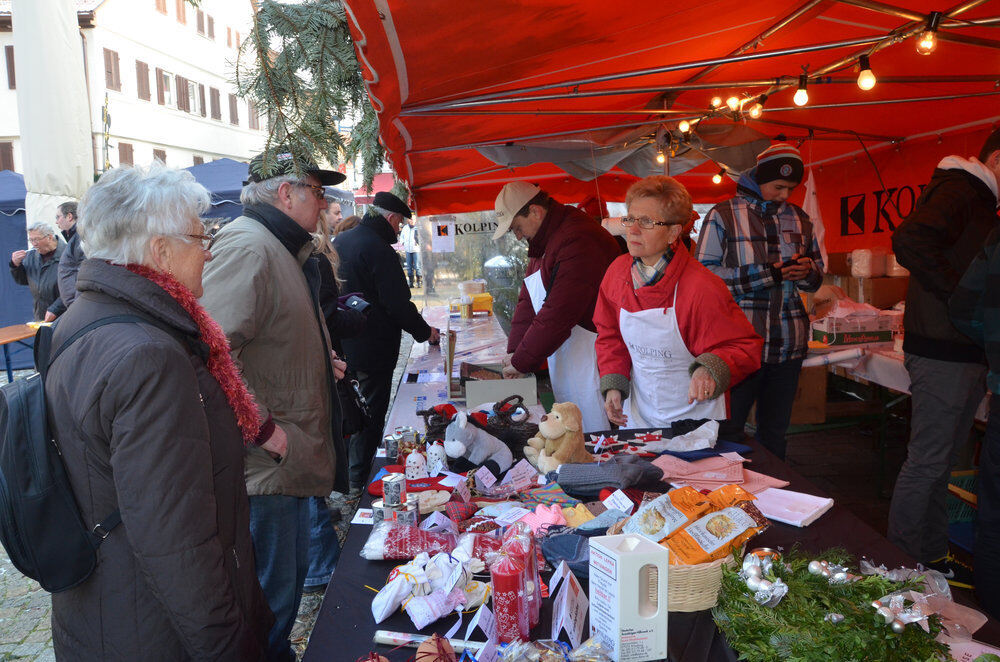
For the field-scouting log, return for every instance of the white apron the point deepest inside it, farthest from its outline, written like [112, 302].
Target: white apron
[573, 366]
[660, 363]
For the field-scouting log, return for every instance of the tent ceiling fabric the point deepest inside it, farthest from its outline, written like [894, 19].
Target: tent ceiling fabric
[451, 87]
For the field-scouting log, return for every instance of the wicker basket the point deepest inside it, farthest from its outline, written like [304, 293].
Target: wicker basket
[690, 587]
[695, 587]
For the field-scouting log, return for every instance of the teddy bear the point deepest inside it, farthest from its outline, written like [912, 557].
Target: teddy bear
[559, 439]
[464, 440]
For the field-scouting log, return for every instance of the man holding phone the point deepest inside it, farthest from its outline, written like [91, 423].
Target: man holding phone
[764, 249]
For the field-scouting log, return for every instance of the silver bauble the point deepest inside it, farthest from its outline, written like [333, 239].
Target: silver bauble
[815, 567]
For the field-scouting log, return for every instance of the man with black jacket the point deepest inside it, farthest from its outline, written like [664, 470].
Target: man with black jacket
[369, 265]
[69, 265]
[938, 240]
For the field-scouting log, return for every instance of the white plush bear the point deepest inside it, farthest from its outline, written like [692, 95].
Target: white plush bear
[462, 439]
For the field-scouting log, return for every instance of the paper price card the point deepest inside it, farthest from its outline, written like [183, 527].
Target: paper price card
[619, 500]
[569, 608]
[462, 490]
[521, 476]
[510, 516]
[485, 621]
[486, 477]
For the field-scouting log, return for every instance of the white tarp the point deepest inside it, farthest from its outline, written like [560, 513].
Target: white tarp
[52, 106]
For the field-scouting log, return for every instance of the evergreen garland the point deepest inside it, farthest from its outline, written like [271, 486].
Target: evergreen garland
[299, 67]
[795, 630]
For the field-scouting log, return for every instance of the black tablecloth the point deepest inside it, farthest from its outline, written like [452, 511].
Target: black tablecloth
[344, 626]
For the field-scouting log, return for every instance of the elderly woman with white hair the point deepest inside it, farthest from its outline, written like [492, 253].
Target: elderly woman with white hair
[152, 419]
[670, 338]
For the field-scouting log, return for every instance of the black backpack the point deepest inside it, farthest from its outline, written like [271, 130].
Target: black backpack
[40, 523]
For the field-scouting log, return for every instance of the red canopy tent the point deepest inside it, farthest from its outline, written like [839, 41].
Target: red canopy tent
[449, 77]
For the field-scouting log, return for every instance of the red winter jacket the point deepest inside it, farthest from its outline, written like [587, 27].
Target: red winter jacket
[711, 324]
[572, 251]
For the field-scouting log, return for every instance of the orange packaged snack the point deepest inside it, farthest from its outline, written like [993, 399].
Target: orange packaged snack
[668, 513]
[714, 535]
[728, 495]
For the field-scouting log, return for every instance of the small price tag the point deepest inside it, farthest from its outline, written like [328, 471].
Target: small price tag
[437, 521]
[462, 490]
[510, 516]
[485, 620]
[521, 476]
[619, 500]
[569, 609]
[488, 653]
[486, 477]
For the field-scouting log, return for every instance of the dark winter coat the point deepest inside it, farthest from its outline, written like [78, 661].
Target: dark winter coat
[69, 265]
[144, 427]
[42, 278]
[573, 252]
[369, 265]
[340, 322]
[938, 240]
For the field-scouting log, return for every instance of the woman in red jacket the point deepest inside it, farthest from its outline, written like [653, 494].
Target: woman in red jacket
[669, 335]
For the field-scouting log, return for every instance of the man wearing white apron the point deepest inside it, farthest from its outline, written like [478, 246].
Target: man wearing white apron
[671, 339]
[568, 254]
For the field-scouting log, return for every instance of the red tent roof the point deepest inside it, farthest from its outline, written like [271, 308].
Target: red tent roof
[451, 75]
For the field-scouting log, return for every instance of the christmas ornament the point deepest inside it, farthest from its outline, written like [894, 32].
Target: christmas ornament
[834, 618]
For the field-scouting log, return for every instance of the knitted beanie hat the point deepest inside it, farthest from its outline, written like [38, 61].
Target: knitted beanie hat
[780, 161]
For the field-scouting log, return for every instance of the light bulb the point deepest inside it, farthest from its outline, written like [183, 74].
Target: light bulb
[927, 42]
[717, 177]
[733, 103]
[756, 111]
[866, 79]
[684, 126]
[801, 97]
[716, 102]
[661, 157]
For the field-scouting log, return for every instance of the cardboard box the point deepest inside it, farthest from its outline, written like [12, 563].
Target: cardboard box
[851, 337]
[838, 264]
[879, 292]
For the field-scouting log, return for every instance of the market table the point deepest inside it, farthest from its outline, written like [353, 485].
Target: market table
[15, 333]
[344, 626]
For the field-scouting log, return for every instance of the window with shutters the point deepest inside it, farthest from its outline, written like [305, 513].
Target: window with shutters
[229, 37]
[201, 100]
[112, 79]
[211, 27]
[183, 101]
[8, 52]
[161, 6]
[142, 80]
[182, 11]
[195, 104]
[125, 154]
[160, 155]
[6, 156]
[198, 160]
[201, 22]
[213, 98]
[164, 88]
[234, 116]
[253, 119]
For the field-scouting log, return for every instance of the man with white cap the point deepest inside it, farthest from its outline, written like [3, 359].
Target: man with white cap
[568, 253]
[764, 249]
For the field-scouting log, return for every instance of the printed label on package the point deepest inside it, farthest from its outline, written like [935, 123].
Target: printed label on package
[716, 529]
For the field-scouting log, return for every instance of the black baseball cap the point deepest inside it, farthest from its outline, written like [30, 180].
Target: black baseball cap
[285, 165]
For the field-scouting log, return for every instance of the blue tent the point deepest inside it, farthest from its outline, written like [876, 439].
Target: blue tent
[16, 301]
[224, 179]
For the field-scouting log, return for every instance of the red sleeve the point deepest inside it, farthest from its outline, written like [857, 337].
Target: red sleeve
[569, 301]
[713, 323]
[612, 354]
[524, 313]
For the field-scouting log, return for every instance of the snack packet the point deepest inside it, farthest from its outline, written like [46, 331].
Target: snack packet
[667, 514]
[713, 536]
[728, 495]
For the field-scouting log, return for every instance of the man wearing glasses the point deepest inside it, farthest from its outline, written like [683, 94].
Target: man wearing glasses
[568, 253]
[39, 269]
[261, 286]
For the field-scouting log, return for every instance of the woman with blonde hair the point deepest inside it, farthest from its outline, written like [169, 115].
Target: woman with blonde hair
[670, 338]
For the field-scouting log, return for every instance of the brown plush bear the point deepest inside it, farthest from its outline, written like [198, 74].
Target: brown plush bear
[559, 439]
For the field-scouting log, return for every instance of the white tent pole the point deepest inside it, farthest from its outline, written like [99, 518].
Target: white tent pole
[52, 105]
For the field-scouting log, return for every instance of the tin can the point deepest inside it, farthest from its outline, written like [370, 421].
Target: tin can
[379, 511]
[408, 514]
[391, 443]
[409, 435]
[394, 489]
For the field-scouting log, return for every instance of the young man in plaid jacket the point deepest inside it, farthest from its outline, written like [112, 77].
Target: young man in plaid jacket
[764, 249]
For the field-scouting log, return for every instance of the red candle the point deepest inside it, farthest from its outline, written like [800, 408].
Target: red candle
[509, 604]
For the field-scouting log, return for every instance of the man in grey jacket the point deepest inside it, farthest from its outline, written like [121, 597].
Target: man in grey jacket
[69, 265]
[39, 268]
[261, 286]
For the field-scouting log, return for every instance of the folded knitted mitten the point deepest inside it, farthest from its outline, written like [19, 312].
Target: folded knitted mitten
[577, 515]
[585, 481]
[544, 517]
[600, 524]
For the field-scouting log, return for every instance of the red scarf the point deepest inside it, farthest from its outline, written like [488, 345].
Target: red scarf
[220, 363]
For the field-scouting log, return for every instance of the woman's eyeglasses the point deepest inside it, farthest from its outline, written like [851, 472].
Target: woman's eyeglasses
[644, 222]
[206, 240]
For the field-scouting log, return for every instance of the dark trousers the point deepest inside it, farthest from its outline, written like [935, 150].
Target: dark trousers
[375, 386]
[987, 546]
[772, 388]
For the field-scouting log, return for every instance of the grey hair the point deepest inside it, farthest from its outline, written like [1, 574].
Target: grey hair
[129, 206]
[384, 213]
[265, 192]
[44, 227]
